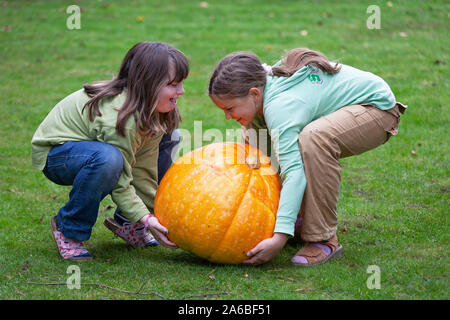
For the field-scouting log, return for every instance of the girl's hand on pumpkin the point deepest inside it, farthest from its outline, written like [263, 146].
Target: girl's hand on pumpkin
[266, 250]
[158, 231]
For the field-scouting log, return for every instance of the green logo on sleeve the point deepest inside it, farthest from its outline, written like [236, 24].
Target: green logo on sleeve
[315, 78]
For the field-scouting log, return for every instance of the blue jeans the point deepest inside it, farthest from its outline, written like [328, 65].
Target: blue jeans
[93, 169]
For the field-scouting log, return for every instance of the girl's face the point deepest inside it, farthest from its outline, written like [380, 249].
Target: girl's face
[167, 98]
[168, 95]
[241, 109]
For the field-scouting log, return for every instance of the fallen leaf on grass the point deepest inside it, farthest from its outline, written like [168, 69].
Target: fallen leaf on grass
[15, 191]
[288, 279]
[302, 289]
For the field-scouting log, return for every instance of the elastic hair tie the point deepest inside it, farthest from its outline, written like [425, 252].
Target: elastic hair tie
[267, 69]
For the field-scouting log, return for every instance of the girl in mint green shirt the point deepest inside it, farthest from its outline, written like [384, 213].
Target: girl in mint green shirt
[299, 89]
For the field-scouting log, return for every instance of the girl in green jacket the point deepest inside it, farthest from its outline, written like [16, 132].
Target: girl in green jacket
[114, 137]
[316, 112]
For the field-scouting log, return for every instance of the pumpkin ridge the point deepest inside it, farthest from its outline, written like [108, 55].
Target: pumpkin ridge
[260, 200]
[223, 172]
[263, 203]
[228, 230]
[236, 211]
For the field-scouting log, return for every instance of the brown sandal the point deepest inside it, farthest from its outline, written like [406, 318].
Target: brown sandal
[315, 253]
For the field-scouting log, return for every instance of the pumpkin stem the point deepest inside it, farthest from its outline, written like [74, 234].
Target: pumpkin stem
[253, 161]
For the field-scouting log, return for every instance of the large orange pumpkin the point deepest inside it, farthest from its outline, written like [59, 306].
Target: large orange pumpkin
[219, 201]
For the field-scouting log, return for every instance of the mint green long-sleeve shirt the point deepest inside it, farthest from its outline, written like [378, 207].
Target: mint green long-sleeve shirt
[135, 191]
[290, 103]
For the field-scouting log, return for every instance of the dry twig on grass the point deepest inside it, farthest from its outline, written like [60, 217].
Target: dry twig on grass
[101, 285]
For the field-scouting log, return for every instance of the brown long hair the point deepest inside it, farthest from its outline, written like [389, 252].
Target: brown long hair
[238, 72]
[144, 71]
[299, 57]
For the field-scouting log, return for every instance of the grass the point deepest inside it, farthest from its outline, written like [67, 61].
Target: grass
[393, 207]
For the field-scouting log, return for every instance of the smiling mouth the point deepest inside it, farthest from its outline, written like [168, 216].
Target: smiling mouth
[174, 101]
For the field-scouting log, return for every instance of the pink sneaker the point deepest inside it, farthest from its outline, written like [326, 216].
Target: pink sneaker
[135, 235]
[68, 249]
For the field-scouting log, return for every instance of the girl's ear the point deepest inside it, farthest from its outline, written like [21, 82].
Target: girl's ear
[255, 92]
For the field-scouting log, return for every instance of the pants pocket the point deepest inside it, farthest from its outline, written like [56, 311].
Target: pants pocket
[56, 163]
[389, 119]
[53, 162]
[396, 111]
[57, 155]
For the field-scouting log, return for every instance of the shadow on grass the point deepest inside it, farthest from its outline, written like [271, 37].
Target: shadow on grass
[117, 251]
[113, 249]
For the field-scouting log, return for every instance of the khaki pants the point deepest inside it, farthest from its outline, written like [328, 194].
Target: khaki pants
[348, 131]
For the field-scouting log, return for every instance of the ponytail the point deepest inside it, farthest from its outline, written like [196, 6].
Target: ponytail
[300, 57]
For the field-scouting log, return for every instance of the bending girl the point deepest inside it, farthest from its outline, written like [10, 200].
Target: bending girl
[316, 112]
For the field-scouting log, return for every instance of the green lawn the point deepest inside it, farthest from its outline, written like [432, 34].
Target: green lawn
[393, 208]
